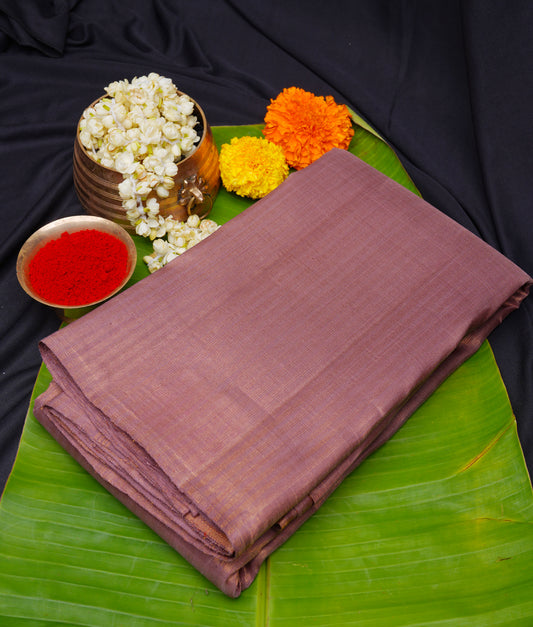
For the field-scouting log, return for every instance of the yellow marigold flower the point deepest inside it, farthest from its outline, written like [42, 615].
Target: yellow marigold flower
[252, 166]
[306, 126]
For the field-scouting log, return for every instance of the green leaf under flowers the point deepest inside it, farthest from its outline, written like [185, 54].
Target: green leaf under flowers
[433, 528]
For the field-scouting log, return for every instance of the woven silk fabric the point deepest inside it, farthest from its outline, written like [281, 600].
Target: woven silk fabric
[225, 397]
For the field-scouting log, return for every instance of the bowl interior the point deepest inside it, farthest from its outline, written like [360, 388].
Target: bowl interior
[72, 224]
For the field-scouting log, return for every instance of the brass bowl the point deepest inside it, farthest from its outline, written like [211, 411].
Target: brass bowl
[52, 231]
[196, 183]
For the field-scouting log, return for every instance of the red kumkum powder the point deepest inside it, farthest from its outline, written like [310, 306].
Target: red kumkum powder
[78, 268]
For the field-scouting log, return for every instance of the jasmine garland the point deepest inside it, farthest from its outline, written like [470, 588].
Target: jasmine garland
[142, 129]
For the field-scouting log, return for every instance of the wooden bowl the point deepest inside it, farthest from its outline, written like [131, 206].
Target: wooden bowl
[54, 230]
[196, 183]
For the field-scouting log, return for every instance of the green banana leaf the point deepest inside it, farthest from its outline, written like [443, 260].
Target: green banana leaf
[435, 528]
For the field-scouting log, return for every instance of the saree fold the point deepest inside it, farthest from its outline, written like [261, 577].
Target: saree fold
[226, 396]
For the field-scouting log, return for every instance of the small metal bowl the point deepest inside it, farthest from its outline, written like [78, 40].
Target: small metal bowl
[52, 231]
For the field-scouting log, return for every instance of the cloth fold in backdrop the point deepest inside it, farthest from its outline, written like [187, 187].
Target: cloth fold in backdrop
[35, 24]
[225, 397]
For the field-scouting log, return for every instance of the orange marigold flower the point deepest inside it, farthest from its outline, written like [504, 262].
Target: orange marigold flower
[252, 166]
[306, 126]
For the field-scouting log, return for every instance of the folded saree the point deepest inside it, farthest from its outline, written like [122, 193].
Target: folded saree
[224, 397]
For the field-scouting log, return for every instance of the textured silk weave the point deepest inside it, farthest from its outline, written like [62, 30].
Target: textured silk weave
[225, 397]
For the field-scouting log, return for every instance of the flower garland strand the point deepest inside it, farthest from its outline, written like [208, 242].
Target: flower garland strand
[180, 237]
[306, 126]
[142, 129]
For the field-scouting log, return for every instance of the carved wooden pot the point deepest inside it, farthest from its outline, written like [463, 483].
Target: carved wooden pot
[196, 183]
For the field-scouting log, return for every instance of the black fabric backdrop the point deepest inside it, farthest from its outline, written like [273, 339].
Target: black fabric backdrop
[448, 83]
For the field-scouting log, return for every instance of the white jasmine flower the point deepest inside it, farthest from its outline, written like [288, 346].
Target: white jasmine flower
[89, 113]
[86, 139]
[142, 188]
[152, 179]
[102, 107]
[170, 169]
[170, 130]
[162, 153]
[185, 105]
[152, 207]
[150, 132]
[133, 214]
[153, 223]
[136, 96]
[129, 204]
[153, 263]
[125, 163]
[116, 138]
[169, 223]
[170, 256]
[193, 220]
[151, 110]
[108, 121]
[142, 229]
[133, 134]
[164, 84]
[150, 163]
[95, 127]
[133, 147]
[126, 188]
[188, 133]
[158, 231]
[170, 112]
[116, 87]
[142, 150]
[208, 226]
[119, 112]
[186, 146]
[161, 247]
[140, 171]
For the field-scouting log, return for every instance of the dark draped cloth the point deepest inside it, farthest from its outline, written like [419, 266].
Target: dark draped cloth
[448, 84]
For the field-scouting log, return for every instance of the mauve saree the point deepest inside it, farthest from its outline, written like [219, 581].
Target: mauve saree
[225, 397]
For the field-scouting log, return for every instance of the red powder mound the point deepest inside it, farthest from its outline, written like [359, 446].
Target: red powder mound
[78, 268]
